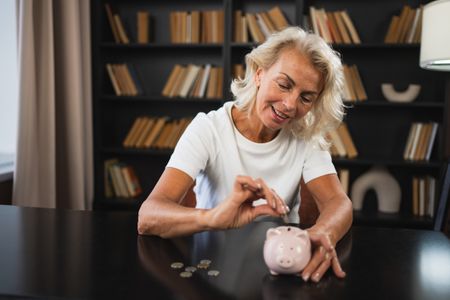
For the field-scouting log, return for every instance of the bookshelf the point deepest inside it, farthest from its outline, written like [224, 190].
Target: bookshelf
[378, 128]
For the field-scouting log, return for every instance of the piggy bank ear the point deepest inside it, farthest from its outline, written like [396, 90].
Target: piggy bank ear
[272, 232]
[302, 234]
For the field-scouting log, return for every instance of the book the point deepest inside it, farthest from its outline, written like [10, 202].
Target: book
[112, 23]
[143, 24]
[121, 29]
[145, 131]
[342, 29]
[154, 132]
[347, 141]
[134, 128]
[351, 28]
[277, 17]
[114, 81]
[109, 189]
[344, 175]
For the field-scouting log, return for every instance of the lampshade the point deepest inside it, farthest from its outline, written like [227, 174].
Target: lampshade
[435, 44]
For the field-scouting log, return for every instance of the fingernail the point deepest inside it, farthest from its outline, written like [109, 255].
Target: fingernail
[305, 277]
[316, 277]
[287, 208]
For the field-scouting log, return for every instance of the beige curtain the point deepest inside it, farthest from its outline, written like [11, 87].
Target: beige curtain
[54, 153]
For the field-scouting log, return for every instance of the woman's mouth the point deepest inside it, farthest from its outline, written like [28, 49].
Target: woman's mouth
[279, 115]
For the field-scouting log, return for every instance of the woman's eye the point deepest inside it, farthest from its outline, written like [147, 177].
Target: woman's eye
[282, 86]
[306, 100]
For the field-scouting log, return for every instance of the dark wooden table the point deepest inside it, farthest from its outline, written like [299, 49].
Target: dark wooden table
[47, 253]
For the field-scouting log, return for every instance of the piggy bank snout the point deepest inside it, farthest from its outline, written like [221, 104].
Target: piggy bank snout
[285, 261]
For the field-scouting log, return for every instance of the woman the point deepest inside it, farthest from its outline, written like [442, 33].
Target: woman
[247, 158]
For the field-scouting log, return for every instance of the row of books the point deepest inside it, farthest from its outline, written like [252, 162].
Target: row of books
[197, 26]
[423, 195]
[124, 80]
[158, 133]
[341, 142]
[260, 25]
[120, 180]
[405, 28]
[118, 30]
[420, 141]
[353, 87]
[333, 27]
[194, 81]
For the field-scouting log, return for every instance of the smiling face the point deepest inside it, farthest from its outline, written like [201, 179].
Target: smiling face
[287, 90]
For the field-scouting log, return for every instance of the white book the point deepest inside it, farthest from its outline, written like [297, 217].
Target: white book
[265, 30]
[202, 90]
[411, 154]
[313, 17]
[413, 27]
[431, 140]
[189, 80]
[409, 141]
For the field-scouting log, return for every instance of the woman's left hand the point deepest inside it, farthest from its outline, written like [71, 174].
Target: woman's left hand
[323, 256]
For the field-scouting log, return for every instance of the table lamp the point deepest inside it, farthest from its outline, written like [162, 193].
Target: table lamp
[435, 55]
[435, 44]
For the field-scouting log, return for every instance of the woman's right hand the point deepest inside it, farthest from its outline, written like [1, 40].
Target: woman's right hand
[238, 210]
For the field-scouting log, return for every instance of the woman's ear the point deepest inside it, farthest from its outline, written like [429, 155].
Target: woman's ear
[258, 75]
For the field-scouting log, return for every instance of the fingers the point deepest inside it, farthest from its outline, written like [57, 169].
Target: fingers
[336, 265]
[313, 265]
[320, 263]
[272, 198]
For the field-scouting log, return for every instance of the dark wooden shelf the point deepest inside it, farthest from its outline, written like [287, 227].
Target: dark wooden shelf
[136, 151]
[345, 46]
[112, 45]
[385, 103]
[160, 98]
[386, 162]
[380, 219]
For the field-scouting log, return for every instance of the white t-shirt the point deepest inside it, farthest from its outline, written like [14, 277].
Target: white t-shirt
[213, 152]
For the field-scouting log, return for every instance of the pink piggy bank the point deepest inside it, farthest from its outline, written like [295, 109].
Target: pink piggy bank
[287, 250]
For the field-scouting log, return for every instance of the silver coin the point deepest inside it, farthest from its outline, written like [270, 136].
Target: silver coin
[177, 265]
[185, 274]
[205, 262]
[213, 273]
[191, 269]
[203, 266]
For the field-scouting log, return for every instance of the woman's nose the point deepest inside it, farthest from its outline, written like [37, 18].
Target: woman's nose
[290, 102]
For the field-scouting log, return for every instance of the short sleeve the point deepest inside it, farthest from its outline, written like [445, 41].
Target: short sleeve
[317, 163]
[194, 148]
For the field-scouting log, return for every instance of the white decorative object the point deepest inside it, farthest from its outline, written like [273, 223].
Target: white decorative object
[435, 40]
[385, 186]
[409, 95]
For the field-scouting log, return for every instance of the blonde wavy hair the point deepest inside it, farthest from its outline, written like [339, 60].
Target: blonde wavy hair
[328, 110]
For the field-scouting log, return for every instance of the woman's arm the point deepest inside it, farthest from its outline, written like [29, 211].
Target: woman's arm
[161, 213]
[335, 219]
